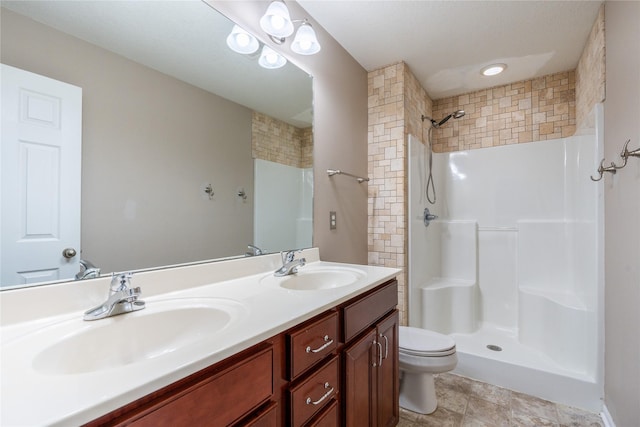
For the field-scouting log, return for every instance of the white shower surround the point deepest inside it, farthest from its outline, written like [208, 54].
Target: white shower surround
[279, 186]
[514, 260]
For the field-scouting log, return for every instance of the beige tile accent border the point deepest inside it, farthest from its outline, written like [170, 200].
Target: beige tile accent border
[280, 142]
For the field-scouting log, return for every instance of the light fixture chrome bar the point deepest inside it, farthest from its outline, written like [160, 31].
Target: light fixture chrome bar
[332, 172]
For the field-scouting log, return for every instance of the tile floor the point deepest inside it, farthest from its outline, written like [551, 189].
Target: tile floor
[463, 402]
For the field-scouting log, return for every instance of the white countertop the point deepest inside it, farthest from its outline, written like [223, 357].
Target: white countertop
[31, 397]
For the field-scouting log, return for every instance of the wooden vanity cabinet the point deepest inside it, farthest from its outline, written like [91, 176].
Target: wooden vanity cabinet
[371, 372]
[313, 368]
[338, 368]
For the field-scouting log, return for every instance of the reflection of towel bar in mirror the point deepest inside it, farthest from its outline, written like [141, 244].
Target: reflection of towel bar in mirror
[332, 172]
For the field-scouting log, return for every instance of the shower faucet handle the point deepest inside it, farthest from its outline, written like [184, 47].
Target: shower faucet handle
[427, 217]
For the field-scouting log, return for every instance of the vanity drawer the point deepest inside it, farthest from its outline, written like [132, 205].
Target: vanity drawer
[311, 343]
[221, 399]
[362, 313]
[314, 393]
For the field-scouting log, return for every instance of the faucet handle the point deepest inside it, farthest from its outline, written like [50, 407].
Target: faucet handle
[120, 282]
[288, 256]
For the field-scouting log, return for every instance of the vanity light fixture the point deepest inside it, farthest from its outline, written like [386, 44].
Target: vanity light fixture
[241, 41]
[276, 20]
[271, 59]
[277, 23]
[305, 42]
[493, 69]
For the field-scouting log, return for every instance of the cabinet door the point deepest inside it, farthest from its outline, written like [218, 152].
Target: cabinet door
[388, 373]
[359, 386]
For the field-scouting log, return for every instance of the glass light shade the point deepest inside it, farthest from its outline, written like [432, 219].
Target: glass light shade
[305, 41]
[276, 20]
[271, 59]
[242, 42]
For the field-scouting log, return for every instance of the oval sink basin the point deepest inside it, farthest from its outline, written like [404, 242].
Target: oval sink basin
[317, 279]
[163, 327]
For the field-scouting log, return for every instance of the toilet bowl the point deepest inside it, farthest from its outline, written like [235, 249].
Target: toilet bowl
[423, 353]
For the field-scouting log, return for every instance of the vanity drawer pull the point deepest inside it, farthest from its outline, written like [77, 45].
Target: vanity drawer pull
[327, 343]
[324, 396]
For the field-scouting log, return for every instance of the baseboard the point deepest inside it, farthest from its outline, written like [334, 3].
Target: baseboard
[606, 417]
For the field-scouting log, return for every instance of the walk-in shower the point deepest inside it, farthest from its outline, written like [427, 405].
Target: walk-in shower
[512, 266]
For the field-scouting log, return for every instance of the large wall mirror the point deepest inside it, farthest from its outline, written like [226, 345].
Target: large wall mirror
[190, 151]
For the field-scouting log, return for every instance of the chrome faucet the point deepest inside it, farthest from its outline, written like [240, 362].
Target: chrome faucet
[289, 264]
[87, 270]
[122, 299]
[253, 251]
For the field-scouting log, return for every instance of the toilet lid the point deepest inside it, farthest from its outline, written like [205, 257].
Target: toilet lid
[424, 341]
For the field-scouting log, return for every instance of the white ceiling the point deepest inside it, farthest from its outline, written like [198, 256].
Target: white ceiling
[446, 43]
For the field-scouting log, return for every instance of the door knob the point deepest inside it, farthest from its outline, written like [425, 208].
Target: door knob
[69, 253]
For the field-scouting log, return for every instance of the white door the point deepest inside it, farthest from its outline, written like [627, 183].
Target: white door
[40, 166]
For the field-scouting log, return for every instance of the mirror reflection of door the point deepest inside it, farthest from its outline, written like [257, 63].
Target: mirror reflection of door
[40, 178]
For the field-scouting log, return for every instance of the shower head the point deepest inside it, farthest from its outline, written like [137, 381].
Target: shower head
[456, 115]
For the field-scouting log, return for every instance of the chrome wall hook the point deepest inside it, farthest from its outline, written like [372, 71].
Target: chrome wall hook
[602, 169]
[625, 154]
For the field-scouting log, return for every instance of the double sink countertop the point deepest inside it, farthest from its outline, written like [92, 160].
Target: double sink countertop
[58, 369]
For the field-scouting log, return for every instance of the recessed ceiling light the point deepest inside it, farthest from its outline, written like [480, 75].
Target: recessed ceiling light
[493, 69]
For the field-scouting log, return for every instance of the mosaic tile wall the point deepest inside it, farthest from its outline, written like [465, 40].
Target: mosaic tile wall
[532, 110]
[280, 142]
[590, 74]
[393, 92]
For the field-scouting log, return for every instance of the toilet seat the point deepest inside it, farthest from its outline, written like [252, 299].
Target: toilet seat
[425, 343]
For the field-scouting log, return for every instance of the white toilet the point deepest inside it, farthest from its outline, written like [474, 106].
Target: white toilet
[423, 353]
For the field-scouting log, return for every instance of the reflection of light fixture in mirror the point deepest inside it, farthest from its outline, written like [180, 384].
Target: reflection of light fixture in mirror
[241, 41]
[271, 59]
[493, 69]
[276, 20]
[305, 41]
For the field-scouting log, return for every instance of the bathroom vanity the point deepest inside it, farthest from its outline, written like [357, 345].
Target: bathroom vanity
[317, 348]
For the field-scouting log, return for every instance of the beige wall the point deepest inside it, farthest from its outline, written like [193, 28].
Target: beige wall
[622, 214]
[340, 133]
[149, 143]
